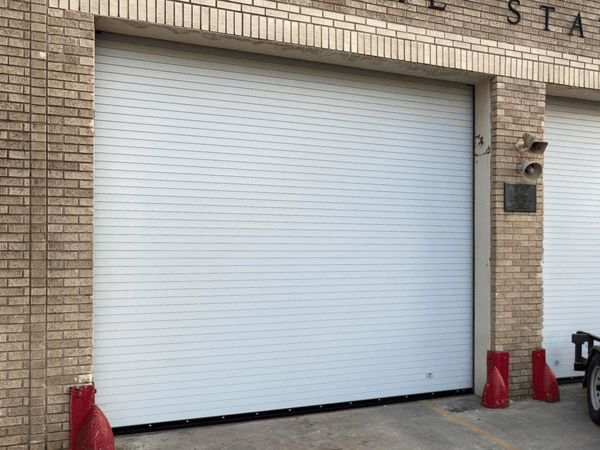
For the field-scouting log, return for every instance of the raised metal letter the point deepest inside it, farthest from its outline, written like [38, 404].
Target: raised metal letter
[514, 20]
[547, 20]
[432, 5]
[577, 24]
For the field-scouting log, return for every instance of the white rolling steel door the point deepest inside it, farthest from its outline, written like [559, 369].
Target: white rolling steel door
[571, 228]
[271, 234]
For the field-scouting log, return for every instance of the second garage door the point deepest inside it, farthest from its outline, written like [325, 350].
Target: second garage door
[271, 234]
[571, 228]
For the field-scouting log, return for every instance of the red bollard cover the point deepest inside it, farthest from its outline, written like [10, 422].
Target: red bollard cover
[545, 386]
[495, 392]
[95, 432]
[81, 402]
[90, 429]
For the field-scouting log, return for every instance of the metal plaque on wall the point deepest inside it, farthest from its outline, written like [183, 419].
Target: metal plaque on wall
[519, 197]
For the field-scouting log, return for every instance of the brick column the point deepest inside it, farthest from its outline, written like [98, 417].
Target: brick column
[517, 238]
[39, 226]
[46, 227]
[70, 214]
[15, 222]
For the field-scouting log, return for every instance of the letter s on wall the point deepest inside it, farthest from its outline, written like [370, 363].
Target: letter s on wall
[511, 6]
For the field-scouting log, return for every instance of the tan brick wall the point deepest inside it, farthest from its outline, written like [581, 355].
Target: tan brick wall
[15, 223]
[517, 238]
[46, 163]
[468, 35]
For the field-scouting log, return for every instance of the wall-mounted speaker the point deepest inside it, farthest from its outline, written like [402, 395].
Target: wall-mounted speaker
[530, 170]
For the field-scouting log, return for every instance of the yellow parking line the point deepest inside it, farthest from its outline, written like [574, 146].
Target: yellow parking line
[475, 429]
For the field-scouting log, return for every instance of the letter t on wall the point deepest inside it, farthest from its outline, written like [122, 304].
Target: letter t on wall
[547, 9]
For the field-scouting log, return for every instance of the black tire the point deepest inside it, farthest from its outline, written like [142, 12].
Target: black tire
[593, 388]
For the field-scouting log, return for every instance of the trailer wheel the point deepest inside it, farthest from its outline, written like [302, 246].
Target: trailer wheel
[593, 389]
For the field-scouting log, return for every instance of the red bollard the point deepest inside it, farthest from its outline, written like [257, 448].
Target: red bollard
[95, 433]
[495, 392]
[545, 386]
[90, 429]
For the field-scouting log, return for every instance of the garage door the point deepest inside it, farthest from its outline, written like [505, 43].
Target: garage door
[572, 228]
[271, 234]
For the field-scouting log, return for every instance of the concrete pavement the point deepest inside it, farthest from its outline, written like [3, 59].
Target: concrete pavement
[448, 424]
